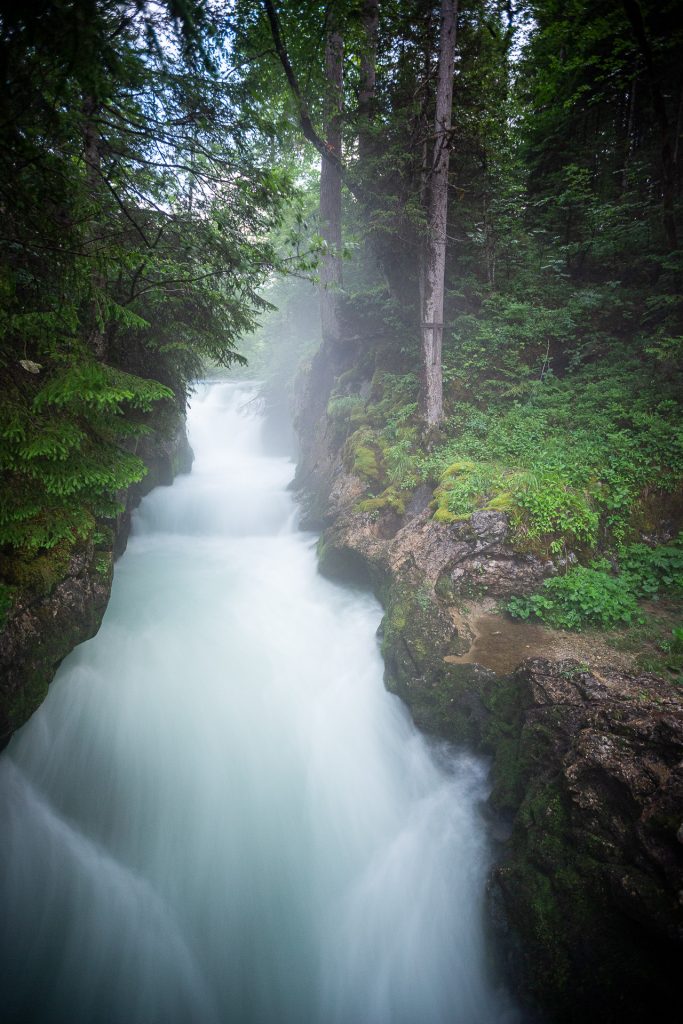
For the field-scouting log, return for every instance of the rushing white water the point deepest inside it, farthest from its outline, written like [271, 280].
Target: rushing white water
[219, 814]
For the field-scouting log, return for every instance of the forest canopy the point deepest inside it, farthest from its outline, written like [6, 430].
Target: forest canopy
[137, 203]
[485, 194]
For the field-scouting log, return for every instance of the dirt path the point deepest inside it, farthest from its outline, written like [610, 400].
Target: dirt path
[501, 643]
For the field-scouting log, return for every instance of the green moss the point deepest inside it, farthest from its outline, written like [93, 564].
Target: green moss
[465, 487]
[445, 590]
[503, 502]
[365, 463]
[388, 499]
[417, 638]
[345, 408]
[501, 736]
[456, 468]
[37, 574]
[345, 414]
[362, 455]
[396, 618]
[442, 515]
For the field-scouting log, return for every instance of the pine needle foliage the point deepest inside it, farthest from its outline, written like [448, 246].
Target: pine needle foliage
[135, 223]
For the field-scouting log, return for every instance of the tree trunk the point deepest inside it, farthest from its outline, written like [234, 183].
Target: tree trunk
[628, 146]
[366, 92]
[330, 190]
[91, 156]
[435, 247]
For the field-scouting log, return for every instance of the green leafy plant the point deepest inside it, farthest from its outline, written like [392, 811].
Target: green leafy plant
[584, 597]
[596, 596]
[673, 650]
[651, 570]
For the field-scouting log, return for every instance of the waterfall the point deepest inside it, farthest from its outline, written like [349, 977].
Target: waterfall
[219, 814]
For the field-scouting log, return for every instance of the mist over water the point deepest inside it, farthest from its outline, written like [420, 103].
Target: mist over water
[219, 814]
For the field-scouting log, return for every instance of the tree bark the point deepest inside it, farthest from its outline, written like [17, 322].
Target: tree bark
[366, 92]
[305, 121]
[92, 158]
[435, 248]
[628, 146]
[330, 189]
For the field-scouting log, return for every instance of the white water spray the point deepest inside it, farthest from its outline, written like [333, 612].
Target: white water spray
[219, 814]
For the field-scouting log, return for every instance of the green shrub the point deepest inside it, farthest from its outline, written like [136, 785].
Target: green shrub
[401, 462]
[584, 597]
[465, 487]
[345, 415]
[552, 509]
[345, 409]
[674, 650]
[652, 570]
[598, 452]
[595, 596]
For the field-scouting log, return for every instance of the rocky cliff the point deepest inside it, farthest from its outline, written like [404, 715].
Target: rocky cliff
[587, 757]
[62, 595]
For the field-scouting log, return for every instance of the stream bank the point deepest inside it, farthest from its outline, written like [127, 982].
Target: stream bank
[587, 754]
[61, 596]
[219, 814]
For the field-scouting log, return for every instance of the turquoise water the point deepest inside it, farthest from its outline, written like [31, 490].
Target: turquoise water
[219, 814]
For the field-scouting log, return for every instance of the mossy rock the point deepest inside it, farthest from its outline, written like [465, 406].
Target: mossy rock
[362, 456]
[390, 499]
[442, 515]
[418, 635]
[37, 574]
[365, 463]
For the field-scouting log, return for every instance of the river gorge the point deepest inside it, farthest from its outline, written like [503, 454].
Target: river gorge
[219, 813]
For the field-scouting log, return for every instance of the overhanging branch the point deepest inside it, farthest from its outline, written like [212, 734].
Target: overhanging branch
[305, 121]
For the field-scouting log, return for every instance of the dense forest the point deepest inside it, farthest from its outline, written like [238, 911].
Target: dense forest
[501, 259]
[446, 238]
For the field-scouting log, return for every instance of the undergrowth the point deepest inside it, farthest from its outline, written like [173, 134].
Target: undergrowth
[584, 463]
[600, 595]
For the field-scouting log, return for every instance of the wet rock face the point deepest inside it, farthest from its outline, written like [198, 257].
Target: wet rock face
[319, 463]
[43, 630]
[592, 879]
[482, 563]
[466, 559]
[45, 625]
[166, 456]
[587, 767]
